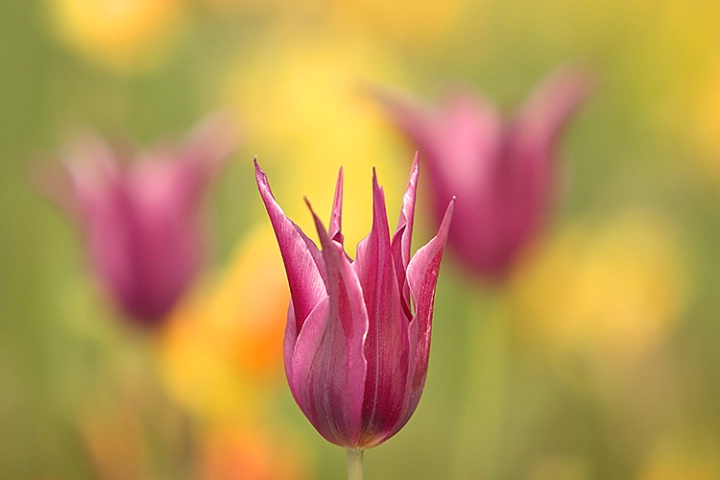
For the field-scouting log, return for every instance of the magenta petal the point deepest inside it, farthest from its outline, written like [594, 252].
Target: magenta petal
[209, 147]
[336, 215]
[303, 262]
[332, 351]
[531, 138]
[422, 276]
[548, 110]
[316, 374]
[386, 344]
[402, 239]
[466, 126]
[408, 115]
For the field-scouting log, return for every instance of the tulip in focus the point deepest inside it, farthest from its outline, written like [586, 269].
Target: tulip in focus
[501, 170]
[140, 218]
[358, 331]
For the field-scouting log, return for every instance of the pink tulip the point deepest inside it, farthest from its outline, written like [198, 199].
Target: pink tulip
[501, 170]
[140, 216]
[358, 332]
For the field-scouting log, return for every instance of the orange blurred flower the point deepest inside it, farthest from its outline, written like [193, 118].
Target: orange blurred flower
[222, 351]
[252, 453]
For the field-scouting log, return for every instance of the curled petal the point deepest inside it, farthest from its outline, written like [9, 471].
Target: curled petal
[548, 110]
[402, 239]
[303, 262]
[422, 276]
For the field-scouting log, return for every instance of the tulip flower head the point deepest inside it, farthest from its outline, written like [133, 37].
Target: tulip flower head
[358, 331]
[140, 218]
[501, 170]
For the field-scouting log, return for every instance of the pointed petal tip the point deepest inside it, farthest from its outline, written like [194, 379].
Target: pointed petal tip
[258, 171]
[339, 187]
[335, 224]
[315, 215]
[340, 180]
[415, 168]
[260, 177]
[447, 218]
[376, 183]
[569, 85]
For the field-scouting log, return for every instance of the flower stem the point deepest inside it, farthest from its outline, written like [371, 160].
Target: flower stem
[479, 439]
[354, 463]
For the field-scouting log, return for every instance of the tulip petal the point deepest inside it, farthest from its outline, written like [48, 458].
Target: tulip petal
[402, 239]
[466, 128]
[336, 216]
[304, 264]
[530, 139]
[386, 344]
[328, 363]
[208, 148]
[422, 276]
[550, 107]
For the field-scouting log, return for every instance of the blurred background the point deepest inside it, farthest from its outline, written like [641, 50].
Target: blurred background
[596, 359]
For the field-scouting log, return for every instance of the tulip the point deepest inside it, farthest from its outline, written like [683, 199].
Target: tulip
[501, 170]
[140, 218]
[358, 331]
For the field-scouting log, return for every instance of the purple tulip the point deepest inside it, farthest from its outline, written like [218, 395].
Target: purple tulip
[501, 170]
[140, 216]
[357, 339]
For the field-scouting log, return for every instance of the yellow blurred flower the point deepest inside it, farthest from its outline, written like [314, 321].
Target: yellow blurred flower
[705, 130]
[307, 117]
[222, 351]
[123, 35]
[607, 293]
[692, 458]
[675, 75]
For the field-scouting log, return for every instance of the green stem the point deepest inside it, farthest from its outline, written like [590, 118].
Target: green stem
[478, 449]
[354, 463]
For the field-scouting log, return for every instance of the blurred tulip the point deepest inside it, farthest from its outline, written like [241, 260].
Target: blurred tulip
[121, 34]
[356, 356]
[502, 171]
[140, 219]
